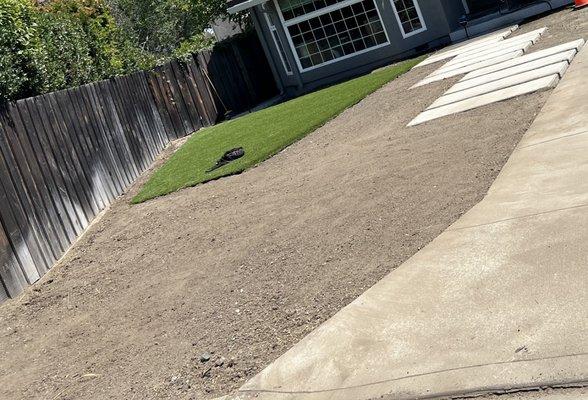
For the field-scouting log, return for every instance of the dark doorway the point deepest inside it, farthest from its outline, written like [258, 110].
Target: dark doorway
[481, 7]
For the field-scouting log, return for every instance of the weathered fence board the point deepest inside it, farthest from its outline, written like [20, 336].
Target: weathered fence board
[12, 276]
[66, 155]
[3, 293]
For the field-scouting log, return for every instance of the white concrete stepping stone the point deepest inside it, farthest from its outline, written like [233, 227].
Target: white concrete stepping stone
[494, 47]
[469, 68]
[487, 98]
[574, 45]
[470, 61]
[514, 70]
[506, 82]
[460, 64]
[470, 45]
[503, 80]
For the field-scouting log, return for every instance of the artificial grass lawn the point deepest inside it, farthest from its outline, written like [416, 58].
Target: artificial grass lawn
[261, 134]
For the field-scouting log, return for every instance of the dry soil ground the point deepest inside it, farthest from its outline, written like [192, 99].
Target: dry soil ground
[243, 267]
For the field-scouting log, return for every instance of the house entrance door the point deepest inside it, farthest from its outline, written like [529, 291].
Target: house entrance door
[480, 7]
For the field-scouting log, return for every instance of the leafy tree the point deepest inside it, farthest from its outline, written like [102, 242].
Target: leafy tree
[164, 26]
[55, 44]
[21, 67]
[111, 50]
[60, 44]
[67, 60]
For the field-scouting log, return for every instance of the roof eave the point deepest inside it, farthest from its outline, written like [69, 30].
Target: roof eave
[244, 6]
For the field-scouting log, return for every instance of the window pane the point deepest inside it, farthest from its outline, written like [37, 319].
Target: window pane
[319, 33]
[330, 30]
[327, 55]
[325, 19]
[359, 45]
[408, 15]
[294, 30]
[297, 40]
[336, 33]
[316, 59]
[348, 48]
[304, 26]
[380, 38]
[412, 13]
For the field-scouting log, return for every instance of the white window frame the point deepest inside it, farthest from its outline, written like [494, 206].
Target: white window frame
[273, 32]
[418, 10]
[322, 11]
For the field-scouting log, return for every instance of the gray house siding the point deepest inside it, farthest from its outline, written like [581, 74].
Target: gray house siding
[439, 16]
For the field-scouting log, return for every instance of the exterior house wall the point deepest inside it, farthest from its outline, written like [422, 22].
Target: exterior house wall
[289, 83]
[454, 9]
[438, 17]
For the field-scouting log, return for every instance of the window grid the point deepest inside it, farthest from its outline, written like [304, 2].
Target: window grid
[338, 33]
[409, 16]
[297, 8]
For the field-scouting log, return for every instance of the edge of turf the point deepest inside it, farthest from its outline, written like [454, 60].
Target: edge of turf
[141, 197]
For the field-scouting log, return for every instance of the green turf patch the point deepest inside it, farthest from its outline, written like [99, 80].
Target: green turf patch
[261, 134]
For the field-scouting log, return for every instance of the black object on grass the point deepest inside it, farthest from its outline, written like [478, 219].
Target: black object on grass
[229, 156]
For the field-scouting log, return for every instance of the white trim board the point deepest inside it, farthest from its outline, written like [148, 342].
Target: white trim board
[244, 6]
[278, 42]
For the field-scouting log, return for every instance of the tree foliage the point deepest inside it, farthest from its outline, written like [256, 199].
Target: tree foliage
[164, 26]
[56, 44]
[21, 68]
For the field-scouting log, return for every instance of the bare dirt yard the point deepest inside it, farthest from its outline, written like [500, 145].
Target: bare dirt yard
[187, 296]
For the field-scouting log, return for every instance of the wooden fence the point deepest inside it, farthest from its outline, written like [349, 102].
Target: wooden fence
[65, 156]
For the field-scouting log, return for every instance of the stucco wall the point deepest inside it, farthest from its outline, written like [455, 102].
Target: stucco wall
[436, 16]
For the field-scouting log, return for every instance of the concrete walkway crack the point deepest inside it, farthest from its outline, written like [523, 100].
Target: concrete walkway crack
[552, 140]
[517, 217]
[411, 376]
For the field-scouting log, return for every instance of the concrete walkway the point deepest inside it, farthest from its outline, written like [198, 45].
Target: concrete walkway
[498, 301]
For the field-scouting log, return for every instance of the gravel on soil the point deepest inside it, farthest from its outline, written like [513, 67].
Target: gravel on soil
[187, 296]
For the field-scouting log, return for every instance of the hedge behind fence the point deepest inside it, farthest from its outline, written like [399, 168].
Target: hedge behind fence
[63, 44]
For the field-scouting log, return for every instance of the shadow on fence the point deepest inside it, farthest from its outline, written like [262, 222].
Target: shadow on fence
[65, 156]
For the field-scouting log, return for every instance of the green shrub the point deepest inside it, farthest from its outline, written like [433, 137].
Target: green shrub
[112, 51]
[68, 61]
[62, 44]
[21, 53]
